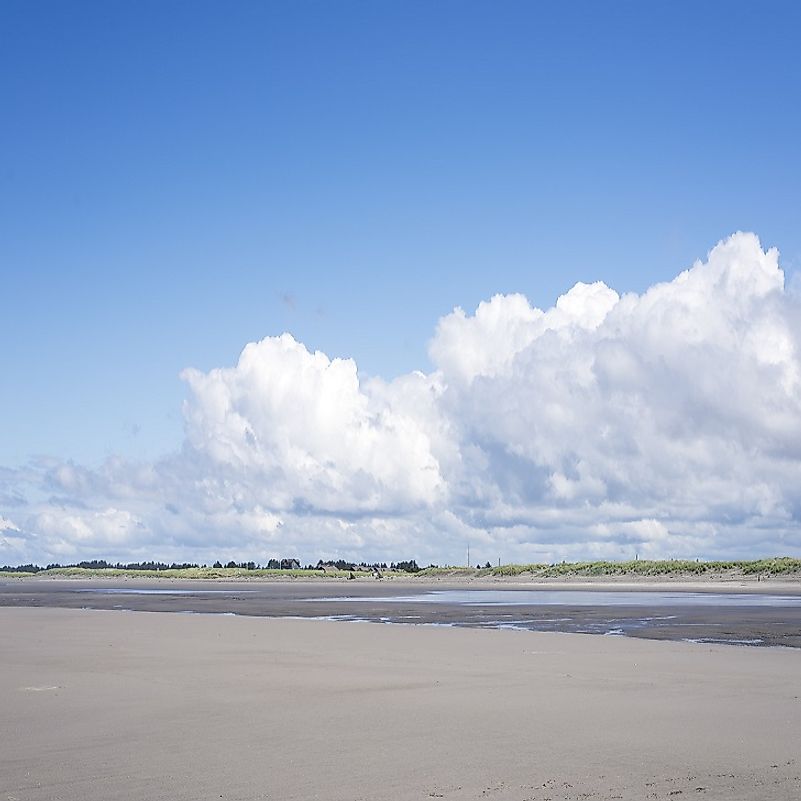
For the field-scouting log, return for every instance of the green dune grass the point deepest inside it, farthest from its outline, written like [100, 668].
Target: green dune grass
[675, 568]
[779, 566]
[183, 573]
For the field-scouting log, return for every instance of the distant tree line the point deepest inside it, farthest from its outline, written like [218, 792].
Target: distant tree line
[22, 568]
[272, 564]
[408, 567]
[99, 564]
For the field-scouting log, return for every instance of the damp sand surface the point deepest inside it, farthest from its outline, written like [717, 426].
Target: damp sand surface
[103, 705]
[746, 615]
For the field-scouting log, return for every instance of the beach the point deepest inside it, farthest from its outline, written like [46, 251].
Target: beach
[121, 705]
[755, 613]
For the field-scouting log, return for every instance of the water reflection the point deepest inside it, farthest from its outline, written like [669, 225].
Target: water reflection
[582, 598]
[140, 591]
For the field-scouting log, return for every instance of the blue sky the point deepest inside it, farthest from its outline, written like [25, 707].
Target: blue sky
[180, 179]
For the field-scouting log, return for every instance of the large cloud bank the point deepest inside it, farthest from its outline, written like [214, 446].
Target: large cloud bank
[664, 424]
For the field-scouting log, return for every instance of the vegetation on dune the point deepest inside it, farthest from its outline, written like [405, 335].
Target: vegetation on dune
[274, 568]
[511, 570]
[435, 572]
[675, 568]
[779, 566]
[193, 573]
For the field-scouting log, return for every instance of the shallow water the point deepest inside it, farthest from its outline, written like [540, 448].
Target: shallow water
[582, 598]
[140, 591]
[737, 618]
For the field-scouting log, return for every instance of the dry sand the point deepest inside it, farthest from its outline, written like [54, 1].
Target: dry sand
[116, 705]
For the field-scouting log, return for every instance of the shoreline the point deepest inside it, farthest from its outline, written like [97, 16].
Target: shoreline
[741, 615]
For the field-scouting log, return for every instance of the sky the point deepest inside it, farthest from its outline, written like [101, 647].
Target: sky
[373, 280]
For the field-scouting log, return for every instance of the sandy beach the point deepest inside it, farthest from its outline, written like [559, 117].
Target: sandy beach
[134, 705]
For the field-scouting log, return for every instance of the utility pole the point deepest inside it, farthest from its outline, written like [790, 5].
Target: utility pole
[468, 553]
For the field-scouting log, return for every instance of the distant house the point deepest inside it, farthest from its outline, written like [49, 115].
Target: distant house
[290, 564]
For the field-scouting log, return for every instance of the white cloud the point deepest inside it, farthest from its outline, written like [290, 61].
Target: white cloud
[306, 429]
[487, 343]
[667, 423]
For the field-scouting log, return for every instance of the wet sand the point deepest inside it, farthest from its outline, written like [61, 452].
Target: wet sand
[377, 601]
[100, 705]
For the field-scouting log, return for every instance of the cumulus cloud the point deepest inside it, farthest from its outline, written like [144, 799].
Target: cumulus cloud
[666, 423]
[303, 427]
